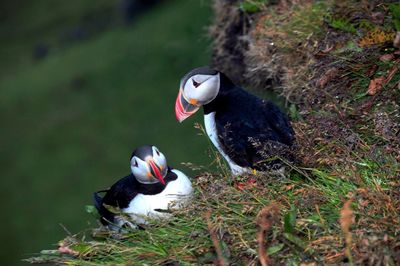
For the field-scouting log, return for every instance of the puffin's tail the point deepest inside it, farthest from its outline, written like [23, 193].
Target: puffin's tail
[98, 200]
[106, 216]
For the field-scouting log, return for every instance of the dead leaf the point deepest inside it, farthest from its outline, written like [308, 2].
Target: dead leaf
[396, 41]
[251, 183]
[386, 57]
[375, 85]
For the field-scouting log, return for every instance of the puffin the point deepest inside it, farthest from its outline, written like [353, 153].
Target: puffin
[251, 134]
[149, 191]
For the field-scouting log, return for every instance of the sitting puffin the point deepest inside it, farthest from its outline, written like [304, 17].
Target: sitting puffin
[249, 132]
[148, 191]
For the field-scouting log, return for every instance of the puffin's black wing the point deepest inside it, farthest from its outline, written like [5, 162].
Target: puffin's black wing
[279, 122]
[119, 196]
[252, 130]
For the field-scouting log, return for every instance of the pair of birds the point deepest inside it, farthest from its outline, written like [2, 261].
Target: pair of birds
[245, 129]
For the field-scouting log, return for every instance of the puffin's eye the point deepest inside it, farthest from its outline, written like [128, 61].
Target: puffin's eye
[135, 163]
[195, 84]
[158, 153]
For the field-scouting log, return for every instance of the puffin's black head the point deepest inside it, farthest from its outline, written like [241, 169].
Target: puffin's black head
[198, 87]
[148, 165]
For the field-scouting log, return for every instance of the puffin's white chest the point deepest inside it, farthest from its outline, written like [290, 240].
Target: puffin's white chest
[175, 195]
[211, 129]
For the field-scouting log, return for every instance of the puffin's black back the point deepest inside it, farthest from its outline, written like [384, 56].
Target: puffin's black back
[251, 130]
[124, 191]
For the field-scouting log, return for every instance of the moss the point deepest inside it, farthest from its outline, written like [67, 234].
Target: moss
[341, 24]
[252, 6]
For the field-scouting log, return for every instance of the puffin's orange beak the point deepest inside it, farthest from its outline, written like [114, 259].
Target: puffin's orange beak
[156, 171]
[183, 108]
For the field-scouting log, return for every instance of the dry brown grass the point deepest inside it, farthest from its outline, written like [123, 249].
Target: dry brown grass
[341, 203]
[228, 33]
[220, 260]
[328, 74]
[346, 220]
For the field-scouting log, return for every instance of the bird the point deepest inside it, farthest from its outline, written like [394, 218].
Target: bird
[148, 192]
[252, 134]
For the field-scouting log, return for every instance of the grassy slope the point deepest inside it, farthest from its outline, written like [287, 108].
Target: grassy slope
[346, 160]
[71, 120]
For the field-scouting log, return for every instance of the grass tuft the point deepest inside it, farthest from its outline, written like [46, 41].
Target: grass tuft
[298, 218]
[338, 204]
[341, 24]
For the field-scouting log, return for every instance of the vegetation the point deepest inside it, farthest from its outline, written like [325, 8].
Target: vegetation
[341, 24]
[395, 12]
[252, 6]
[340, 202]
[71, 119]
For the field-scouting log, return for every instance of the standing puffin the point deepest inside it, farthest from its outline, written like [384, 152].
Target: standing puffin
[249, 132]
[151, 188]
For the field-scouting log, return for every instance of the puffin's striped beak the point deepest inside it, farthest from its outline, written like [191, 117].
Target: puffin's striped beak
[156, 171]
[183, 108]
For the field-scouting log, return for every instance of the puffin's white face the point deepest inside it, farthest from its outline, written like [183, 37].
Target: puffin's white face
[196, 91]
[201, 89]
[149, 167]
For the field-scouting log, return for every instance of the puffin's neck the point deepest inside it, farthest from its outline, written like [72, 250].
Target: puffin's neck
[151, 189]
[226, 86]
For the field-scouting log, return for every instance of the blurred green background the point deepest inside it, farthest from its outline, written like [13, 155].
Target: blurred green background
[82, 84]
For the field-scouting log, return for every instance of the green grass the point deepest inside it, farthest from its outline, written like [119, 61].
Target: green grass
[253, 6]
[343, 159]
[306, 227]
[395, 11]
[298, 25]
[341, 24]
[71, 121]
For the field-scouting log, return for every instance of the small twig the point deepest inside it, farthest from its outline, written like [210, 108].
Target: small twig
[65, 229]
[220, 257]
[319, 214]
[264, 221]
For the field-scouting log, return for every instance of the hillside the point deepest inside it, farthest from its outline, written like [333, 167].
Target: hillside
[336, 65]
[71, 118]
